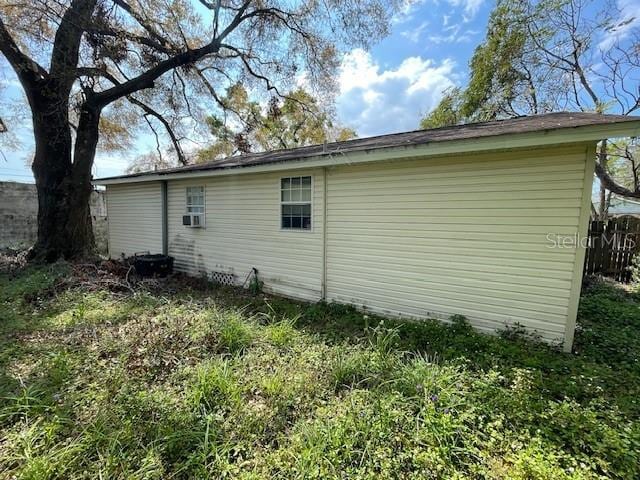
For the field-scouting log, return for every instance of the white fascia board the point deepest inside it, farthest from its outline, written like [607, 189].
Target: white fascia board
[590, 133]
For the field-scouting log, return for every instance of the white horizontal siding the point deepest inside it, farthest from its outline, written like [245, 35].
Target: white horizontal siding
[467, 235]
[425, 238]
[134, 213]
[243, 231]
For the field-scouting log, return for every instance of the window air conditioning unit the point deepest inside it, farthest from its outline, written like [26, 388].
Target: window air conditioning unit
[193, 220]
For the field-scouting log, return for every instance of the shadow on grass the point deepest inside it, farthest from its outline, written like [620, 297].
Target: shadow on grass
[195, 382]
[605, 359]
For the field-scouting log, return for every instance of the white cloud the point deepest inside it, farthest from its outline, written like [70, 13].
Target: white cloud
[408, 8]
[453, 34]
[471, 7]
[374, 101]
[415, 34]
[628, 20]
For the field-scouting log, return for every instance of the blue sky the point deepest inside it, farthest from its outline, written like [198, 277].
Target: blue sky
[390, 88]
[382, 91]
[385, 90]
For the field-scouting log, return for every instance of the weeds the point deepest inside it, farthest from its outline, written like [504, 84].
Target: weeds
[235, 335]
[283, 333]
[220, 384]
[214, 387]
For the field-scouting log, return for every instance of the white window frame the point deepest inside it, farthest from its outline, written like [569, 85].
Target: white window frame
[204, 203]
[283, 202]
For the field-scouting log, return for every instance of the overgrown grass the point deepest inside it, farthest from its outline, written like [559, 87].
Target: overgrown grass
[218, 384]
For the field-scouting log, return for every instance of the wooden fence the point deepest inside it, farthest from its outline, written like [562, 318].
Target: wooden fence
[612, 246]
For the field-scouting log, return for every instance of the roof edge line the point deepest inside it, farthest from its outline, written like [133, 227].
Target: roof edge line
[576, 134]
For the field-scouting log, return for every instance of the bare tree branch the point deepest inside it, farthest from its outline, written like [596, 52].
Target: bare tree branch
[146, 108]
[150, 111]
[613, 186]
[28, 71]
[144, 24]
[66, 45]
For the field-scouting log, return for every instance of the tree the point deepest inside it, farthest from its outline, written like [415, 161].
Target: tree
[148, 162]
[550, 55]
[293, 121]
[81, 62]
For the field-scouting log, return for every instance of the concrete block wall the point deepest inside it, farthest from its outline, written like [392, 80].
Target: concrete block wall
[19, 213]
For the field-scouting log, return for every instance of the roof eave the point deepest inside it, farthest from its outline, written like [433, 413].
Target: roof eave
[482, 144]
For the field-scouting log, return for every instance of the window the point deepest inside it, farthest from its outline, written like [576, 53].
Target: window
[194, 217]
[195, 199]
[295, 197]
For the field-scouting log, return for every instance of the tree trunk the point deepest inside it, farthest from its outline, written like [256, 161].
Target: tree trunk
[604, 204]
[63, 184]
[603, 207]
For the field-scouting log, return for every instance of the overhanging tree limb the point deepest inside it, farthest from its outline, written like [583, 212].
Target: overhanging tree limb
[136, 43]
[66, 44]
[146, 108]
[611, 185]
[147, 79]
[29, 72]
[174, 139]
[139, 39]
[143, 23]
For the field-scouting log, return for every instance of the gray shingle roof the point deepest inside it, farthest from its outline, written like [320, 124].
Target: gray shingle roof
[525, 124]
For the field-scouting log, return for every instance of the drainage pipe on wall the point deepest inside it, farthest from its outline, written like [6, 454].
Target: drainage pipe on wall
[324, 235]
[165, 218]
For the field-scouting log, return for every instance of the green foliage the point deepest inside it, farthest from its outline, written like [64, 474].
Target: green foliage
[98, 385]
[635, 271]
[295, 121]
[447, 112]
[255, 285]
[214, 386]
[283, 333]
[235, 335]
[542, 56]
[495, 75]
[496, 79]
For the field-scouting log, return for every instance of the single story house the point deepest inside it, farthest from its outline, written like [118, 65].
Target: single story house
[482, 220]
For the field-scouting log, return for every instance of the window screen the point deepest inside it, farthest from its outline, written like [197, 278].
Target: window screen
[195, 199]
[295, 196]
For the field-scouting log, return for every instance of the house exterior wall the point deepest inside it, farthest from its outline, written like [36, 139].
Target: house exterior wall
[422, 238]
[134, 215]
[242, 231]
[469, 235]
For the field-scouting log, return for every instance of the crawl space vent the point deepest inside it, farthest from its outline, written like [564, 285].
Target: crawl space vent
[223, 278]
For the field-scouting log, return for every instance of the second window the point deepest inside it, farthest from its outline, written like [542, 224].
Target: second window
[295, 198]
